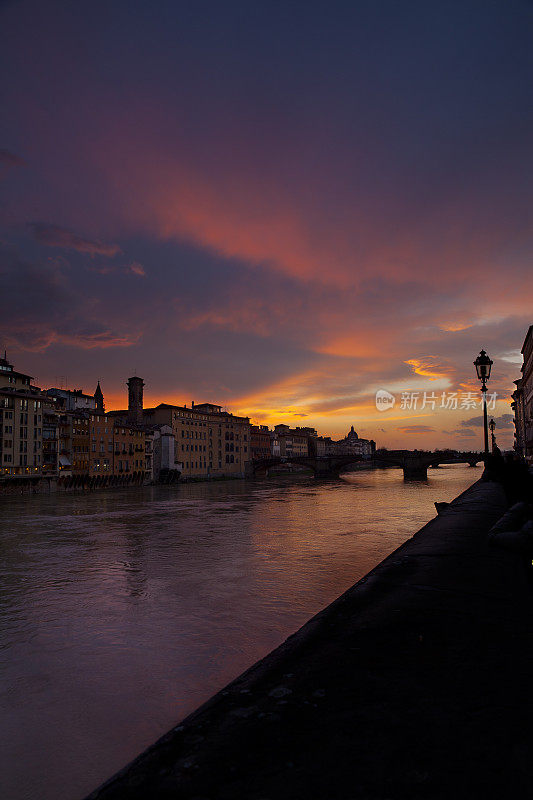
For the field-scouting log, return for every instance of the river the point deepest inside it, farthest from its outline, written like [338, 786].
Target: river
[121, 611]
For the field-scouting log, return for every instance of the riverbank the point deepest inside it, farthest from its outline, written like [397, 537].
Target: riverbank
[85, 483]
[413, 684]
[30, 485]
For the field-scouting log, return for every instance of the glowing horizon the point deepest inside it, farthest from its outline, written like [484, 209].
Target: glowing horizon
[243, 208]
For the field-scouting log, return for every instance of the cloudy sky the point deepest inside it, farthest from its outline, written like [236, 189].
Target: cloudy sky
[281, 207]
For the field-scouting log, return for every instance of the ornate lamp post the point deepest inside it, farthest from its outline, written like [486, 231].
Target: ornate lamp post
[483, 366]
[492, 426]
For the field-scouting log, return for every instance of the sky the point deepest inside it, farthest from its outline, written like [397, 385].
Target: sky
[278, 207]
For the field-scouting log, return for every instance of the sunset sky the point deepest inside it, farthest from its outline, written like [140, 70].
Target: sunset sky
[280, 207]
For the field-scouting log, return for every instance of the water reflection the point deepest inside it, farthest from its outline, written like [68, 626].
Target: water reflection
[122, 611]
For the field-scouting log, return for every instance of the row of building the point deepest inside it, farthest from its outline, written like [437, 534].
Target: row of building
[286, 442]
[522, 404]
[68, 434]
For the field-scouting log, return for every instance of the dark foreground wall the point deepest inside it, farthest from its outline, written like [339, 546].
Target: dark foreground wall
[416, 683]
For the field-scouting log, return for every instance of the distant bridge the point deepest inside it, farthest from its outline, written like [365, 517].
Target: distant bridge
[414, 463]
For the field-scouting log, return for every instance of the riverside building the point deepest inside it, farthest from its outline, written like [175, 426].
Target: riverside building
[522, 404]
[291, 442]
[21, 422]
[260, 441]
[209, 442]
[351, 445]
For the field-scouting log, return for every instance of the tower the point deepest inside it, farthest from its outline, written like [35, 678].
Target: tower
[135, 399]
[99, 399]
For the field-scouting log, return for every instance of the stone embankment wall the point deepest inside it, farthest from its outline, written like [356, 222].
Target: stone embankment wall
[50, 485]
[416, 683]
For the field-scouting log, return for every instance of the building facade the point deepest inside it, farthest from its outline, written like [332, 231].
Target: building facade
[128, 449]
[21, 423]
[351, 445]
[165, 467]
[72, 399]
[522, 401]
[208, 442]
[260, 441]
[80, 443]
[292, 442]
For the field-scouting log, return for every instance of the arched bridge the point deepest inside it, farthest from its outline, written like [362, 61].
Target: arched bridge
[414, 463]
[322, 466]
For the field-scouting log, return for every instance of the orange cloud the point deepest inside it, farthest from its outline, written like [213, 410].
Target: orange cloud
[453, 327]
[428, 368]
[137, 269]
[237, 211]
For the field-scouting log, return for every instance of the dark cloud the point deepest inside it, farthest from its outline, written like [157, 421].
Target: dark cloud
[462, 432]
[54, 236]
[28, 288]
[303, 242]
[129, 269]
[407, 429]
[8, 159]
[503, 421]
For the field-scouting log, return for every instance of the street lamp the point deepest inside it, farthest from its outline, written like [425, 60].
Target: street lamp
[483, 366]
[492, 426]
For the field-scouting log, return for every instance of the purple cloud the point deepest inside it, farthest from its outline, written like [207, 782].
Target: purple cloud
[9, 159]
[504, 421]
[416, 429]
[137, 269]
[71, 318]
[54, 236]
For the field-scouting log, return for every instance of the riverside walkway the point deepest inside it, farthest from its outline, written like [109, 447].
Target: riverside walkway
[416, 683]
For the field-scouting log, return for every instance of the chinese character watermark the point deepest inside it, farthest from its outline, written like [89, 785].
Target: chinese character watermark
[421, 401]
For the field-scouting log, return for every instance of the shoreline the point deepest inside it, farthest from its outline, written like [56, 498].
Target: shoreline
[415, 646]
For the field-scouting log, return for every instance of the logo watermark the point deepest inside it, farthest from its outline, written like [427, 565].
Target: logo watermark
[419, 401]
[384, 400]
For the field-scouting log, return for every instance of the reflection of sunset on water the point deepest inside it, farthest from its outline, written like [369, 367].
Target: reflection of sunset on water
[127, 609]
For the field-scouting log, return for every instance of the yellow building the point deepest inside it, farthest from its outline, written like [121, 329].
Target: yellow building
[128, 450]
[209, 442]
[291, 442]
[80, 443]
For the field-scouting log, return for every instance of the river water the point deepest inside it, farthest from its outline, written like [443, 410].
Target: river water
[121, 611]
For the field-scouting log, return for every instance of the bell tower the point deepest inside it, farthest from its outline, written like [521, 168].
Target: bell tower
[99, 399]
[135, 399]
